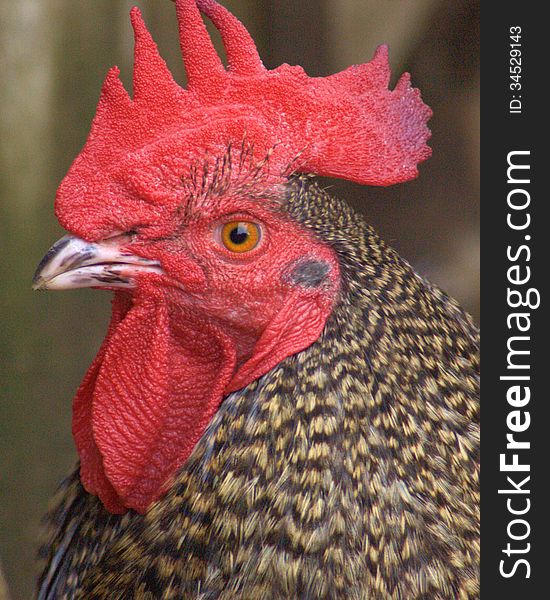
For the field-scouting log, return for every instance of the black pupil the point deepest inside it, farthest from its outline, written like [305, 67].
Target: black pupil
[239, 234]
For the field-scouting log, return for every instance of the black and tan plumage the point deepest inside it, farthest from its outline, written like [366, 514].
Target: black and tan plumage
[350, 470]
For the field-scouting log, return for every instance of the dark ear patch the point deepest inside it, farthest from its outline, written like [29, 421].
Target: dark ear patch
[309, 273]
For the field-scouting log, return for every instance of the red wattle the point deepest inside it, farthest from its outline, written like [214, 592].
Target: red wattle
[146, 401]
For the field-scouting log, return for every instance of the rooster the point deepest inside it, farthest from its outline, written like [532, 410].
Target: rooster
[282, 408]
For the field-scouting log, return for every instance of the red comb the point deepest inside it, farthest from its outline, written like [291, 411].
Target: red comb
[347, 125]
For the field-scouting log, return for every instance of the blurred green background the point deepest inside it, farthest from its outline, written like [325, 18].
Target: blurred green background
[53, 57]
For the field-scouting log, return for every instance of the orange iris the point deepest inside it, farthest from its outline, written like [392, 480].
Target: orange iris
[240, 236]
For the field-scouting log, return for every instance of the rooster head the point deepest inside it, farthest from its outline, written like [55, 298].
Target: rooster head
[176, 204]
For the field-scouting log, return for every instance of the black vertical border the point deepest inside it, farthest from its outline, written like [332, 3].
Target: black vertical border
[501, 133]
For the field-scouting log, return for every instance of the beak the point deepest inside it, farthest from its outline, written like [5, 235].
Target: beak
[74, 263]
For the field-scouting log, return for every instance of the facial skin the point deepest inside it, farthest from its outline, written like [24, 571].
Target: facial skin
[240, 292]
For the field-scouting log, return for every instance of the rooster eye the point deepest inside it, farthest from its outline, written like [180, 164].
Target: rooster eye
[240, 236]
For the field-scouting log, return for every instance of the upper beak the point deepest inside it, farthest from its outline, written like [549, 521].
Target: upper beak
[74, 263]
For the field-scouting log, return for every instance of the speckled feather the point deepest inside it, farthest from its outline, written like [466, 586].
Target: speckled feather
[348, 471]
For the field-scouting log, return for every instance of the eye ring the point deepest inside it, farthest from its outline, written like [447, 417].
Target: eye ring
[240, 236]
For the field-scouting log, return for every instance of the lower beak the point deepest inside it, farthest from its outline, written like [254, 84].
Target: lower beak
[74, 263]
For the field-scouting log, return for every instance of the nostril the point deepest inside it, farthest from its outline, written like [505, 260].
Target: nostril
[114, 234]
